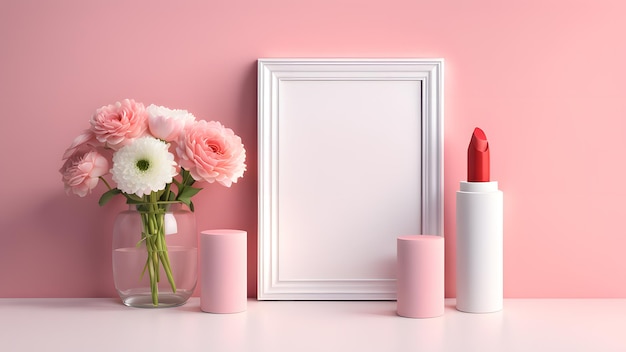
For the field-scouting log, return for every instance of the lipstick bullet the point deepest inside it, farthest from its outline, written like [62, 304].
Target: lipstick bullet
[478, 157]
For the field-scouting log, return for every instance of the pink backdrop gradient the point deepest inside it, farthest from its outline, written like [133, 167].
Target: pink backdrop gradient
[545, 79]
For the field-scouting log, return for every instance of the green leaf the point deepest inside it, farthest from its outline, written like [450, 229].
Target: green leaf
[108, 195]
[134, 199]
[186, 201]
[187, 193]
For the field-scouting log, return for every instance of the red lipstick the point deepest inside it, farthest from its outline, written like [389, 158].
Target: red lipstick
[479, 234]
[478, 157]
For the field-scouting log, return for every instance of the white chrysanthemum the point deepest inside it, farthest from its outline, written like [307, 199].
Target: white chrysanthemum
[143, 166]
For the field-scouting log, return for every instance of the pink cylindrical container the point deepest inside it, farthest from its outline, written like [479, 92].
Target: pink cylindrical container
[420, 276]
[223, 269]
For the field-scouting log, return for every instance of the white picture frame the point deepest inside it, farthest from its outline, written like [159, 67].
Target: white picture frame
[350, 156]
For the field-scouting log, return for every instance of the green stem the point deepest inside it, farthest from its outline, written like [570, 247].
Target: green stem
[154, 287]
[153, 222]
[152, 260]
[167, 192]
[105, 182]
[162, 246]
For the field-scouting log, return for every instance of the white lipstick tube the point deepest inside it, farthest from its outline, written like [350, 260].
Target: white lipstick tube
[479, 247]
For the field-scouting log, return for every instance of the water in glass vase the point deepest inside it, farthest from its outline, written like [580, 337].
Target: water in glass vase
[134, 288]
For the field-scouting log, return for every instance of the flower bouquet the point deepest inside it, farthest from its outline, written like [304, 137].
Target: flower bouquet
[153, 155]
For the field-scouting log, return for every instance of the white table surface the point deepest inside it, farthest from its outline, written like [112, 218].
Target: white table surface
[53, 324]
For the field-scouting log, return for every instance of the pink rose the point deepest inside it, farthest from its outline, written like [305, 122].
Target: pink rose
[167, 124]
[81, 172]
[118, 124]
[212, 152]
[86, 140]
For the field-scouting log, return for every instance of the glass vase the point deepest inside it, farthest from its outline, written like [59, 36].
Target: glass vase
[155, 255]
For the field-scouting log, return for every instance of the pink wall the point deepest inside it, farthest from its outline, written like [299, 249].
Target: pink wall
[545, 79]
